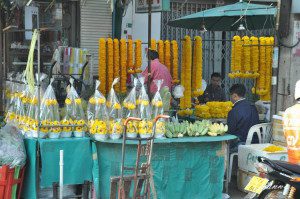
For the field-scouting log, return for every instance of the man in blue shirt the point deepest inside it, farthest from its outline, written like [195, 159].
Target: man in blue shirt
[242, 116]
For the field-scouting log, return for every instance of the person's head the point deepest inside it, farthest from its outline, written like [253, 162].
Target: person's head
[297, 91]
[215, 79]
[237, 92]
[153, 54]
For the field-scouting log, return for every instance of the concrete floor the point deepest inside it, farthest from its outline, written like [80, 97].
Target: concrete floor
[234, 193]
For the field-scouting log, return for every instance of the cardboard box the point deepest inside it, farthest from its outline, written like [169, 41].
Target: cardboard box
[247, 156]
[277, 128]
[243, 179]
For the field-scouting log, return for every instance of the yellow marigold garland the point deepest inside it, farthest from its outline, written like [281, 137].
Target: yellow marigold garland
[246, 57]
[138, 56]
[110, 63]
[123, 62]
[188, 72]
[168, 54]
[117, 63]
[232, 63]
[153, 44]
[175, 61]
[183, 74]
[102, 65]
[198, 65]
[238, 55]
[130, 57]
[160, 49]
[263, 69]
[254, 56]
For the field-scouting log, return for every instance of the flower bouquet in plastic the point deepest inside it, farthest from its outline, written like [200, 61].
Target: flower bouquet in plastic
[49, 114]
[157, 109]
[23, 105]
[97, 115]
[144, 112]
[114, 113]
[74, 114]
[130, 110]
[32, 115]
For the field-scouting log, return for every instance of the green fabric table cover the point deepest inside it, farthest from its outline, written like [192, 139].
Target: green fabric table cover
[189, 167]
[78, 162]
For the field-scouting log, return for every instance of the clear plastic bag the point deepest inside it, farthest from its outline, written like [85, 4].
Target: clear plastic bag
[114, 112]
[158, 109]
[32, 115]
[97, 115]
[49, 114]
[12, 150]
[74, 113]
[130, 110]
[144, 112]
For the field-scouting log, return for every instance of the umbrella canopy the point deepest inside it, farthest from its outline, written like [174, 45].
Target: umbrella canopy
[223, 18]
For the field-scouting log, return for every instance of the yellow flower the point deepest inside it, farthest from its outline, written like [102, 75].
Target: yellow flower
[153, 44]
[175, 61]
[92, 100]
[110, 63]
[254, 55]
[68, 101]
[101, 100]
[117, 106]
[77, 101]
[138, 55]
[93, 130]
[167, 54]
[188, 72]
[160, 49]
[145, 102]
[130, 54]
[79, 129]
[157, 103]
[102, 65]
[246, 55]
[197, 70]
[80, 122]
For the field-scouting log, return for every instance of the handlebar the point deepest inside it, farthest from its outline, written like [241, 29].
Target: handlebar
[131, 118]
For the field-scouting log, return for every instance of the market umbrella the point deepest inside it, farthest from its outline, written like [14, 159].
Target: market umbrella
[225, 18]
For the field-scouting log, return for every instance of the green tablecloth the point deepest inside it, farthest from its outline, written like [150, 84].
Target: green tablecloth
[78, 162]
[183, 167]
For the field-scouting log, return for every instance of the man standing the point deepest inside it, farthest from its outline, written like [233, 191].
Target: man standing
[214, 91]
[291, 127]
[242, 116]
[158, 72]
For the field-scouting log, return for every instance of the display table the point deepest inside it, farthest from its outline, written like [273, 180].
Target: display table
[189, 167]
[78, 163]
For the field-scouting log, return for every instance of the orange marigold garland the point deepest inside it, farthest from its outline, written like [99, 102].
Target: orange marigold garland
[160, 49]
[175, 61]
[110, 63]
[153, 44]
[102, 65]
[254, 56]
[123, 63]
[138, 56]
[117, 63]
[183, 74]
[188, 71]
[130, 57]
[168, 54]
[198, 67]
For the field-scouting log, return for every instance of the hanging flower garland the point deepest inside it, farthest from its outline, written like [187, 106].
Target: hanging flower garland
[153, 44]
[168, 54]
[102, 65]
[138, 56]
[160, 49]
[236, 55]
[123, 62]
[232, 63]
[188, 72]
[246, 69]
[254, 56]
[110, 63]
[175, 61]
[183, 74]
[198, 65]
[130, 57]
[117, 63]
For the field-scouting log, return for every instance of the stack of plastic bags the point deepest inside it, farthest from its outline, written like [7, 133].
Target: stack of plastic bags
[114, 113]
[97, 115]
[74, 114]
[130, 110]
[49, 115]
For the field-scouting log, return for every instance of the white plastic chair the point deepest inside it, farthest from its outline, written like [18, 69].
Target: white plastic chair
[263, 132]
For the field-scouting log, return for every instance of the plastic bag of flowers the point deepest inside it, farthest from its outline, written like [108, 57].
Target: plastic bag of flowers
[114, 113]
[97, 115]
[144, 112]
[49, 114]
[130, 110]
[74, 114]
[157, 109]
[32, 115]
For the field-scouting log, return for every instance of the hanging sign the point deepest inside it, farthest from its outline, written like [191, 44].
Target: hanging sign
[141, 6]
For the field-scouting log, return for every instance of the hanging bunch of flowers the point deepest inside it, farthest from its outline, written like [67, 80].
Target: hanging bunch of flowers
[110, 63]
[123, 63]
[168, 54]
[246, 69]
[130, 65]
[254, 56]
[117, 62]
[153, 44]
[175, 61]
[138, 56]
[183, 74]
[102, 65]
[197, 70]
[236, 66]
[160, 49]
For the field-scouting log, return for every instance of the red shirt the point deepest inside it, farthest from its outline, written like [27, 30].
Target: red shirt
[158, 72]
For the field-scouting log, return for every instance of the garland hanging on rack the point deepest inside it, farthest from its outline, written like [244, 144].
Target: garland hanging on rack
[130, 57]
[175, 61]
[168, 55]
[110, 63]
[160, 49]
[116, 63]
[102, 65]
[138, 56]
[123, 62]
[197, 71]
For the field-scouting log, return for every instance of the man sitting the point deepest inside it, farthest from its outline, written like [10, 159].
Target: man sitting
[242, 116]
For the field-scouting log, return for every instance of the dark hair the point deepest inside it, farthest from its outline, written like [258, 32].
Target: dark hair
[215, 75]
[153, 54]
[238, 89]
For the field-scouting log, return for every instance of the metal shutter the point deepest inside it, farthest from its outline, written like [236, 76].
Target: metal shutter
[95, 22]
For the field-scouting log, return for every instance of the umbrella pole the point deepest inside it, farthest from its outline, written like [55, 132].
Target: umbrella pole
[149, 44]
